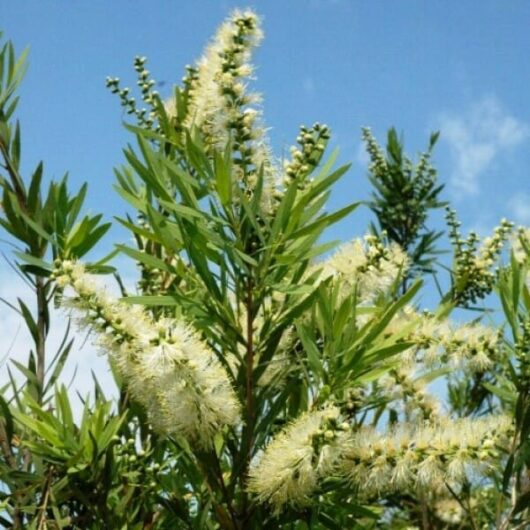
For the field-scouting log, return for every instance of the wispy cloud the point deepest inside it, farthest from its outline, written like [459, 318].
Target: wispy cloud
[477, 137]
[520, 208]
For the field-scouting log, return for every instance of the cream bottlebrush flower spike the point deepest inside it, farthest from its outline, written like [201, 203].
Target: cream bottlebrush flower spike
[367, 264]
[471, 347]
[166, 366]
[294, 462]
[221, 106]
[426, 457]
[221, 74]
[450, 510]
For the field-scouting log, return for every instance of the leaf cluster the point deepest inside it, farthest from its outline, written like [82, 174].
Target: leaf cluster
[403, 196]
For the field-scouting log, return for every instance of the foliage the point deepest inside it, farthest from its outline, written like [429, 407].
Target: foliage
[263, 382]
[472, 277]
[403, 195]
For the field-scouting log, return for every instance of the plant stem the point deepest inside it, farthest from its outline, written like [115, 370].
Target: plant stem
[224, 490]
[248, 436]
[42, 331]
[249, 359]
[45, 498]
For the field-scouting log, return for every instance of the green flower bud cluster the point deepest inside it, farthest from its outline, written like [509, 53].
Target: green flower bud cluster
[521, 245]
[473, 277]
[522, 348]
[378, 165]
[126, 452]
[377, 252]
[312, 142]
[152, 281]
[242, 125]
[145, 117]
[126, 100]
[355, 398]
[191, 76]
[329, 430]
[149, 96]
[132, 462]
[425, 172]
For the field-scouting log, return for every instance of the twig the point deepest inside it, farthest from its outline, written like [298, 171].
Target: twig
[41, 522]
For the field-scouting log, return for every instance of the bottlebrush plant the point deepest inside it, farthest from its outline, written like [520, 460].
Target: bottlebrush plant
[266, 379]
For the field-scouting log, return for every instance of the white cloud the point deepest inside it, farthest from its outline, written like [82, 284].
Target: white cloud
[520, 208]
[477, 137]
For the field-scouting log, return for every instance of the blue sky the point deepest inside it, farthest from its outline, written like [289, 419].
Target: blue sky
[456, 66]
[461, 67]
